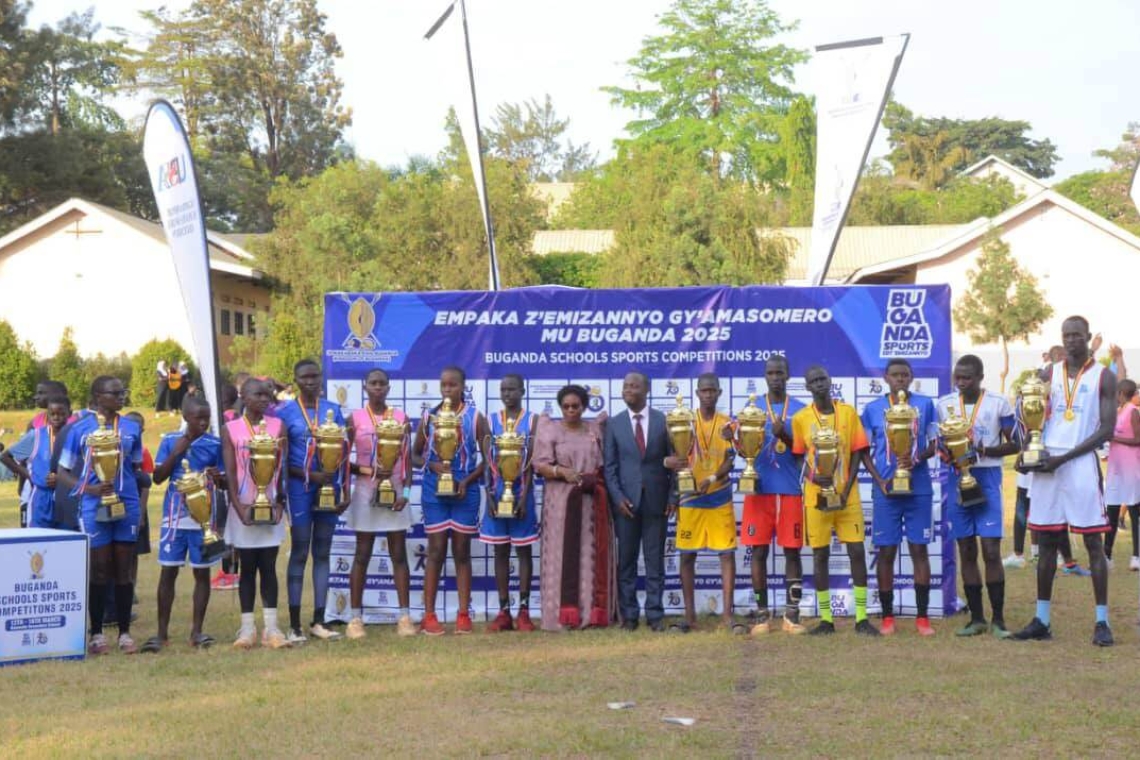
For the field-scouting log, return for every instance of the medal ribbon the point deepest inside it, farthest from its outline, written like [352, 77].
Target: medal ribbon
[311, 444]
[387, 415]
[1070, 392]
[771, 418]
[973, 414]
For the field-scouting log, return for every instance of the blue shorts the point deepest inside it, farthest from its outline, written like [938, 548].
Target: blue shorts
[451, 513]
[301, 501]
[41, 512]
[984, 520]
[517, 531]
[174, 549]
[892, 515]
[125, 530]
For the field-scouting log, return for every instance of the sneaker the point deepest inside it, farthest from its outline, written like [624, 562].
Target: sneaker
[1108, 563]
[888, 626]
[295, 637]
[792, 627]
[1035, 631]
[405, 626]
[1102, 635]
[502, 622]
[1014, 562]
[218, 581]
[246, 639]
[325, 634]
[355, 629]
[864, 628]
[999, 630]
[430, 625]
[523, 622]
[463, 624]
[973, 628]
[1033, 558]
[922, 625]
[824, 628]
[98, 644]
[127, 644]
[1134, 563]
[1077, 570]
[763, 623]
[274, 639]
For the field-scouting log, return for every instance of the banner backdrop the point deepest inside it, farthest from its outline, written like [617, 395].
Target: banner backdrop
[554, 335]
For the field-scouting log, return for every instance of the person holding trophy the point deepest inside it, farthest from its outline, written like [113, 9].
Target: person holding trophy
[447, 447]
[254, 447]
[381, 490]
[186, 454]
[511, 521]
[830, 438]
[315, 493]
[903, 430]
[977, 430]
[98, 463]
[1079, 415]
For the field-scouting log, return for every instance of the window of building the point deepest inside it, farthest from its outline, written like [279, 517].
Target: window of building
[249, 326]
[225, 326]
[239, 324]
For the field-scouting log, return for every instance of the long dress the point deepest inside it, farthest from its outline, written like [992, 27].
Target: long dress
[577, 532]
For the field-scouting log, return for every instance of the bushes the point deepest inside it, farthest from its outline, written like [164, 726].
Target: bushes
[143, 366]
[18, 370]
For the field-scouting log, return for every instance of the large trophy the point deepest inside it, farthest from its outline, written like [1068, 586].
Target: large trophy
[330, 454]
[389, 446]
[195, 491]
[679, 422]
[955, 433]
[106, 459]
[825, 444]
[749, 441]
[263, 463]
[510, 451]
[1034, 397]
[445, 442]
[900, 440]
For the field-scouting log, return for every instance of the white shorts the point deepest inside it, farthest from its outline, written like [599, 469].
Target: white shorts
[1070, 497]
[362, 517]
[242, 536]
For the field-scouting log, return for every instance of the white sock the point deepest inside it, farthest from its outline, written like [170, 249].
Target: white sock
[247, 625]
[1034, 549]
[270, 616]
[356, 612]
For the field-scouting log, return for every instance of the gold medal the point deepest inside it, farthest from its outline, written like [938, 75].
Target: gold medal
[1070, 415]
[781, 447]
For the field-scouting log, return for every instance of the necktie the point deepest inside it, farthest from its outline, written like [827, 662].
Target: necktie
[639, 433]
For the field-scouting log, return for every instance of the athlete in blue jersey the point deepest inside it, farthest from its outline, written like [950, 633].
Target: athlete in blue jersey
[112, 542]
[520, 531]
[180, 537]
[456, 515]
[30, 458]
[894, 513]
[309, 526]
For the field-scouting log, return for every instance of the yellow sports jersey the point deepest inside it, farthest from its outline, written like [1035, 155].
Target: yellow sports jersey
[709, 452]
[846, 423]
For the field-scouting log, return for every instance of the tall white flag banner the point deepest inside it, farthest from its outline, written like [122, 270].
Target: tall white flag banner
[855, 80]
[455, 46]
[168, 161]
[1134, 186]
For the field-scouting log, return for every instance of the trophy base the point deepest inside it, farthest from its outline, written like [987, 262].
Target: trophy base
[685, 482]
[971, 495]
[445, 486]
[110, 511]
[213, 549]
[505, 510]
[262, 514]
[326, 501]
[900, 485]
[828, 501]
[1032, 459]
[747, 484]
[385, 496]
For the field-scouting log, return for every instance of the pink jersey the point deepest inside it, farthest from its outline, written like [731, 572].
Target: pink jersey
[364, 446]
[240, 433]
[1122, 478]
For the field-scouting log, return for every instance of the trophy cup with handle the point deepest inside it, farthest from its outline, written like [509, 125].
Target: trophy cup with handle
[194, 488]
[1034, 396]
[510, 460]
[445, 442]
[825, 444]
[749, 441]
[955, 431]
[389, 445]
[330, 439]
[679, 422]
[106, 460]
[264, 451]
[901, 417]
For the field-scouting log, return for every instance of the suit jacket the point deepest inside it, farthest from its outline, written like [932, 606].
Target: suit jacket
[629, 475]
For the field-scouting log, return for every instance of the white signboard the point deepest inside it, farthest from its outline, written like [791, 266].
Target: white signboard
[43, 595]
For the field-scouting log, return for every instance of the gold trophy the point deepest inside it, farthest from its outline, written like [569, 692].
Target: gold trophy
[330, 455]
[679, 421]
[389, 446]
[749, 441]
[955, 433]
[445, 442]
[509, 460]
[263, 455]
[196, 494]
[106, 459]
[900, 441]
[1034, 397]
[825, 444]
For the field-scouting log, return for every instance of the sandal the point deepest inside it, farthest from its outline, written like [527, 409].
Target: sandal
[202, 641]
[736, 629]
[153, 645]
[681, 627]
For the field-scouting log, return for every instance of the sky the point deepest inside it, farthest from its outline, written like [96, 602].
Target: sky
[1067, 68]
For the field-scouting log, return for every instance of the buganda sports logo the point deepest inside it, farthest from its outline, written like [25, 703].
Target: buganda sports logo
[905, 330]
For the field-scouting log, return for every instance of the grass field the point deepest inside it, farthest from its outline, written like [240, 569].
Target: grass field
[546, 694]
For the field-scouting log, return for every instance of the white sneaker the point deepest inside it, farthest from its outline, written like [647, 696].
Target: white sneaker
[1014, 562]
[319, 631]
[1108, 562]
[295, 637]
[405, 626]
[355, 629]
[1134, 563]
[246, 638]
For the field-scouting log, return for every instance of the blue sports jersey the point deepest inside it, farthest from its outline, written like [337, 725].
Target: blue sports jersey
[205, 451]
[297, 428]
[778, 471]
[466, 454]
[75, 457]
[875, 424]
[522, 427]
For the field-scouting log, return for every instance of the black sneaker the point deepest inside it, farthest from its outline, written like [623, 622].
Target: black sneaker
[825, 628]
[864, 628]
[1035, 631]
[1102, 635]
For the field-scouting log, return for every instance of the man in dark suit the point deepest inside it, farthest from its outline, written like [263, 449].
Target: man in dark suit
[640, 487]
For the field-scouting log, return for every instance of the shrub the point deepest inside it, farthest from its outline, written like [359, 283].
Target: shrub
[67, 367]
[143, 366]
[18, 370]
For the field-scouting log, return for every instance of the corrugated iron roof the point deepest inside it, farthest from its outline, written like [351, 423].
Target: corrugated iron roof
[573, 241]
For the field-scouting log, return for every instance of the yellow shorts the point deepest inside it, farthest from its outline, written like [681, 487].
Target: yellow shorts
[847, 524]
[706, 529]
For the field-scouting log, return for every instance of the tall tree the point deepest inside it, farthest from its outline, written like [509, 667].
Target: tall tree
[714, 83]
[1002, 302]
[798, 140]
[13, 16]
[18, 371]
[532, 134]
[1105, 191]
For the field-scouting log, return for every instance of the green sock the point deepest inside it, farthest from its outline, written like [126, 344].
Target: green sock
[860, 603]
[823, 598]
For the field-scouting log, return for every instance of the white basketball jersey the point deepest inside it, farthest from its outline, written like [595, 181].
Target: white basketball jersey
[1061, 434]
[987, 420]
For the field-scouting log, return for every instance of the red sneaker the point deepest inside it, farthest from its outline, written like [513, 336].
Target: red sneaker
[463, 623]
[922, 625]
[502, 622]
[522, 622]
[430, 625]
[888, 626]
[219, 581]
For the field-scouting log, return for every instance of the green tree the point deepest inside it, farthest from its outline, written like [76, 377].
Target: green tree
[1106, 191]
[883, 199]
[12, 19]
[18, 369]
[532, 135]
[574, 269]
[714, 84]
[144, 364]
[797, 137]
[1002, 302]
[67, 367]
